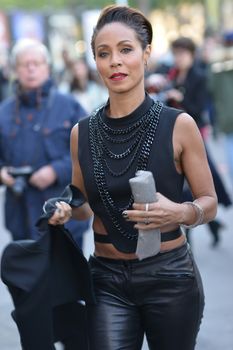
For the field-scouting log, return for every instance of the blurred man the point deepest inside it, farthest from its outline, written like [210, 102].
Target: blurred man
[35, 127]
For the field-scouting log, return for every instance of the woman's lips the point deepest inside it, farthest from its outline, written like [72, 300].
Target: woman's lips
[118, 76]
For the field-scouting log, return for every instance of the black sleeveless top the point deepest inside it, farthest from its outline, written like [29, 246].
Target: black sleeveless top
[111, 150]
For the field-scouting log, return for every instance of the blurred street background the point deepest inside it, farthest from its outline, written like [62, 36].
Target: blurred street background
[65, 26]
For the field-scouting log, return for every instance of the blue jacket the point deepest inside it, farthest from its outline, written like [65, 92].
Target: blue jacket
[35, 130]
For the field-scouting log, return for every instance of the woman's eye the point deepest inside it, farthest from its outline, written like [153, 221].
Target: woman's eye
[126, 50]
[102, 54]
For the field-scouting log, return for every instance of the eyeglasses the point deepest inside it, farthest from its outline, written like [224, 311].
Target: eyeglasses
[34, 64]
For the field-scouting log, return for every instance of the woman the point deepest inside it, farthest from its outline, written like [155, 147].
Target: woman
[160, 296]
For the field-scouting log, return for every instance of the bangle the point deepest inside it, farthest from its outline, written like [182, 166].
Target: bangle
[199, 212]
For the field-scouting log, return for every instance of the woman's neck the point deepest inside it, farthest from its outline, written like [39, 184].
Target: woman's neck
[121, 105]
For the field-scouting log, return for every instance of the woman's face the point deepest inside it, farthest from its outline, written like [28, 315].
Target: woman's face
[120, 59]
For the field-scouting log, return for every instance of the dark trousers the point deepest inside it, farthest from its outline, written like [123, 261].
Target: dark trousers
[161, 297]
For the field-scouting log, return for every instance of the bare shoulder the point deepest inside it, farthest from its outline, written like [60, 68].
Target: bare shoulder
[74, 136]
[74, 141]
[184, 120]
[186, 128]
[74, 131]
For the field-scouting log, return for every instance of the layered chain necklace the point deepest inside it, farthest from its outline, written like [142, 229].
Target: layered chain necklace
[136, 141]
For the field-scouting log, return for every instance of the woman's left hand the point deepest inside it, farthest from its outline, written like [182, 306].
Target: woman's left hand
[158, 214]
[62, 214]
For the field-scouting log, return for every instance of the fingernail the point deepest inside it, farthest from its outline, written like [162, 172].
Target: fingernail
[124, 214]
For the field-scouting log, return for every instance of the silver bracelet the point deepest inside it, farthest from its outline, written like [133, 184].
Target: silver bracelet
[200, 215]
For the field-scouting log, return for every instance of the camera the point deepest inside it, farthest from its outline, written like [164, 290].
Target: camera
[21, 175]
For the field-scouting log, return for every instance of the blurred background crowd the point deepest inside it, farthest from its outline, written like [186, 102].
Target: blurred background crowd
[65, 26]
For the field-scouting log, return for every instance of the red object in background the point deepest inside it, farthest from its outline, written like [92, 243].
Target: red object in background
[4, 31]
[172, 74]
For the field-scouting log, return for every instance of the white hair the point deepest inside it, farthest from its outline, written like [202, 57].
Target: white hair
[27, 44]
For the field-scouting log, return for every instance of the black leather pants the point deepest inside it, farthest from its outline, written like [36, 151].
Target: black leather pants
[161, 297]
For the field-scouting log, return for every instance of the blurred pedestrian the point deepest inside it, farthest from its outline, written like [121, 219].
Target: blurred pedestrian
[63, 76]
[35, 125]
[186, 88]
[205, 54]
[85, 87]
[160, 295]
[222, 92]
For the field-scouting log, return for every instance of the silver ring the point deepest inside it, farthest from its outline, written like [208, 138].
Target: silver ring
[147, 207]
[146, 221]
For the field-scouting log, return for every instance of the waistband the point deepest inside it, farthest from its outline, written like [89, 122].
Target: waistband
[178, 250]
[165, 236]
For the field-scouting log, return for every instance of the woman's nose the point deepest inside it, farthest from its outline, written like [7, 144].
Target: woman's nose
[115, 61]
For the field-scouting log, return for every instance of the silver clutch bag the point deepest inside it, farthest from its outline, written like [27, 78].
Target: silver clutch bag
[144, 191]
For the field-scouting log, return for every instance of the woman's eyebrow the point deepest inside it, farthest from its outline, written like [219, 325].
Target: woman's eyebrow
[120, 43]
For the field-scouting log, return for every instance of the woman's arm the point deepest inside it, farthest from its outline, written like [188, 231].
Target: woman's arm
[83, 212]
[64, 212]
[190, 158]
[194, 164]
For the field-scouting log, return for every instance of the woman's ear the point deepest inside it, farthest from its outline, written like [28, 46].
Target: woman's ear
[147, 53]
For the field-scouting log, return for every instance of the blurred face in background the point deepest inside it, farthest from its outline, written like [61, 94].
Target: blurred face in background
[32, 69]
[183, 59]
[80, 70]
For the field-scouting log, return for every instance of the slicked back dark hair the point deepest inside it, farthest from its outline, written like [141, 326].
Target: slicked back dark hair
[128, 16]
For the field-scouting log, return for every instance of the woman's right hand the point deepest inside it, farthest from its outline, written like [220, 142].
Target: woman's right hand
[62, 214]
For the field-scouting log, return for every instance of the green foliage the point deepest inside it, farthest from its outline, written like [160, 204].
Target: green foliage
[61, 4]
[164, 3]
[49, 4]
